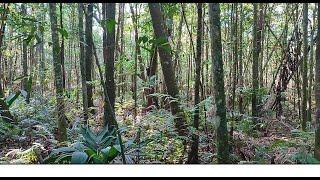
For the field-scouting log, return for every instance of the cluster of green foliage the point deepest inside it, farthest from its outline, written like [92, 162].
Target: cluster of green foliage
[96, 148]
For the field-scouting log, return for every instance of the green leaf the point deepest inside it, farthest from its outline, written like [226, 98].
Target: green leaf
[29, 19]
[78, 146]
[29, 38]
[63, 32]
[63, 150]
[79, 158]
[118, 147]
[10, 100]
[110, 24]
[50, 159]
[110, 153]
[143, 39]
[63, 158]
[29, 85]
[19, 78]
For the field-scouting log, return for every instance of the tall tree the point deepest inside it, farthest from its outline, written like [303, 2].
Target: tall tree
[241, 61]
[255, 63]
[4, 109]
[218, 79]
[311, 67]
[305, 67]
[166, 63]
[62, 49]
[62, 123]
[136, 38]
[317, 89]
[42, 69]
[89, 54]
[109, 53]
[25, 59]
[82, 63]
[235, 51]
[193, 157]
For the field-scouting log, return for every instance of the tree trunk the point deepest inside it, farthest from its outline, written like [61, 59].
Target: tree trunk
[62, 51]
[62, 123]
[109, 50]
[167, 67]
[82, 63]
[255, 64]
[305, 67]
[25, 59]
[311, 68]
[193, 157]
[218, 78]
[241, 108]
[4, 109]
[89, 55]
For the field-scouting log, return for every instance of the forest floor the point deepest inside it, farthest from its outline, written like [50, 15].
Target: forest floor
[276, 141]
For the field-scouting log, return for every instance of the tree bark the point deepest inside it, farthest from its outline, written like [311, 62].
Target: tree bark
[25, 59]
[255, 64]
[218, 78]
[4, 109]
[305, 67]
[89, 55]
[62, 123]
[167, 67]
[82, 63]
[109, 50]
[193, 157]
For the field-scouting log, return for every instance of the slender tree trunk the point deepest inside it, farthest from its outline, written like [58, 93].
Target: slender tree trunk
[193, 157]
[305, 67]
[241, 109]
[4, 109]
[255, 64]
[136, 38]
[62, 51]
[235, 64]
[311, 68]
[82, 63]
[167, 67]
[108, 55]
[62, 123]
[89, 55]
[25, 59]
[218, 77]
[178, 48]
[42, 58]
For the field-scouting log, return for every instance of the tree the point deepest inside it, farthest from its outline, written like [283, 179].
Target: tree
[166, 63]
[82, 63]
[311, 67]
[255, 64]
[89, 55]
[317, 89]
[109, 52]
[305, 67]
[4, 109]
[62, 50]
[218, 80]
[25, 60]
[62, 123]
[241, 62]
[193, 154]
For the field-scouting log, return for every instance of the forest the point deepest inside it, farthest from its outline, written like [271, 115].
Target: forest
[159, 83]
